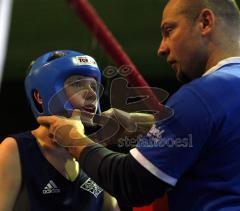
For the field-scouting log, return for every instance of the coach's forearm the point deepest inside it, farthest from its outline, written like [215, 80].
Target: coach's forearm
[121, 175]
[79, 146]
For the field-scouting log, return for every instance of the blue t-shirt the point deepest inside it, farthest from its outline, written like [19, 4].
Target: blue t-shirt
[197, 150]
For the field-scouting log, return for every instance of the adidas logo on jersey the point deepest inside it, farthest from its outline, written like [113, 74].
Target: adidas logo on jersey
[51, 187]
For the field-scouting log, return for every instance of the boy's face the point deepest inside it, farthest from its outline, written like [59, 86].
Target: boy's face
[82, 94]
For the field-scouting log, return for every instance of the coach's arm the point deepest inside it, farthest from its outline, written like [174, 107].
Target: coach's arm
[119, 174]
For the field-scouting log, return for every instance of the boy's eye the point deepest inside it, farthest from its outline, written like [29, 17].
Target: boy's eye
[79, 84]
[76, 84]
[94, 87]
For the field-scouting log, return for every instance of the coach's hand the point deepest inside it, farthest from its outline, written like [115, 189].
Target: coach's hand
[143, 121]
[67, 132]
[123, 118]
[131, 122]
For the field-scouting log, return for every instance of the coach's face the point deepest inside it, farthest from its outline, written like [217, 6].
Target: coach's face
[182, 43]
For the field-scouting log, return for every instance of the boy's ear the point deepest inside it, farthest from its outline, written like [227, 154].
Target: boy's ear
[37, 97]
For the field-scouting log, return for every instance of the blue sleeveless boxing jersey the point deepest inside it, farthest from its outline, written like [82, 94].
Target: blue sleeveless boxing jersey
[47, 189]
[197, 150]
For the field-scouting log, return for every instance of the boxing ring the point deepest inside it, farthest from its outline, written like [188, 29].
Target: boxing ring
[108, 42]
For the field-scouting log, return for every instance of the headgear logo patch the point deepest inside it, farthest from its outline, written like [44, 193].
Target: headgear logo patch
[84, 60]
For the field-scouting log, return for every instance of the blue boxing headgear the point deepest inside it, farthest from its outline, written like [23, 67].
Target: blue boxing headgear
[48, 74]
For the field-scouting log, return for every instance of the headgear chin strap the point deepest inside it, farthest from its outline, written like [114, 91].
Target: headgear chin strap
[48, 74]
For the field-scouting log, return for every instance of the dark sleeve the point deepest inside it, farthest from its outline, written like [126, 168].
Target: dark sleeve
[122, 176]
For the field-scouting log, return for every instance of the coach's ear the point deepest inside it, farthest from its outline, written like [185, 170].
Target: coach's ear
[206, 21]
